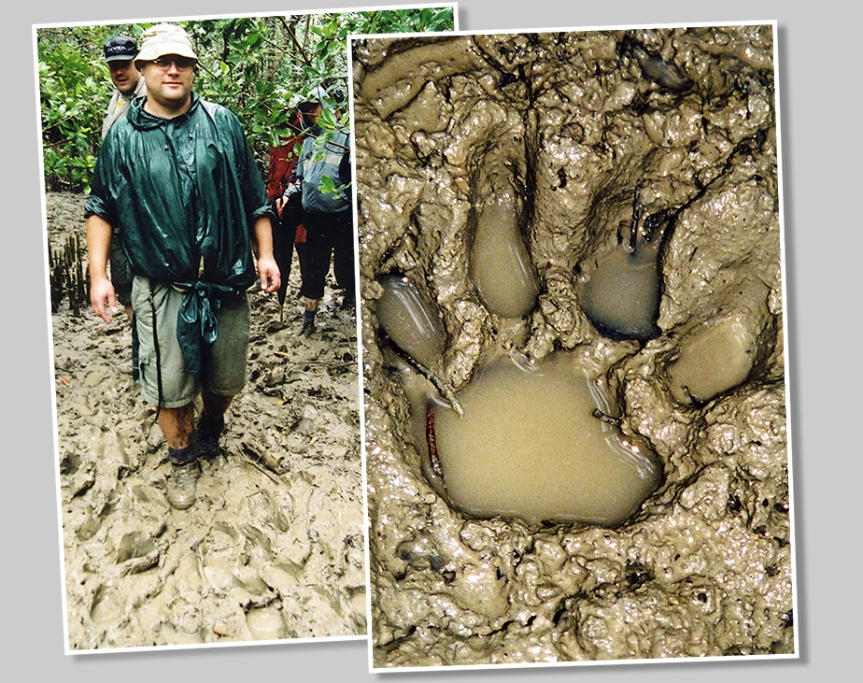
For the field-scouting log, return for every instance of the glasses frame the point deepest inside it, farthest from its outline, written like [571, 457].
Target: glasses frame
[182, 63]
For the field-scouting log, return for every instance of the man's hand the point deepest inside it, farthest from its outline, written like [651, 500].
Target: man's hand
[268, 271]
[102, 299]
[269, 274]
[284, 200]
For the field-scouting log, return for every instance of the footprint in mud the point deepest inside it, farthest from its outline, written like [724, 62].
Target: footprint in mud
[620, 288]
[570, 261]
[107, 607]
[544, 440]
[500, 267]
[265, 623]
[528, 439]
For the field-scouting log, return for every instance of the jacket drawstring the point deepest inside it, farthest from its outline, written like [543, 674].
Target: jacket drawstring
[156, 349]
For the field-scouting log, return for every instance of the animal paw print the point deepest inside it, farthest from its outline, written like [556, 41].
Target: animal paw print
[528, 439]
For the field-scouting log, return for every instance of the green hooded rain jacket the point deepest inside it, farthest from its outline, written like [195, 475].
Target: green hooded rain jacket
[185, 193]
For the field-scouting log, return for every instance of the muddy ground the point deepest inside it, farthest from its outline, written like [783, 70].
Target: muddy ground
[578, 136]
[273, 548]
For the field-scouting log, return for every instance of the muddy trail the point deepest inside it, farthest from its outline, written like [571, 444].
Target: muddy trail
[273, 547]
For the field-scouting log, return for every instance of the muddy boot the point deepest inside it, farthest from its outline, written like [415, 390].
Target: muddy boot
[308, 324]
[182, 484]
[209, 431]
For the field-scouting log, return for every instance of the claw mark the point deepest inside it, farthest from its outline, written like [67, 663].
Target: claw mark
[445, 390]
[430, 441]
[613, 421]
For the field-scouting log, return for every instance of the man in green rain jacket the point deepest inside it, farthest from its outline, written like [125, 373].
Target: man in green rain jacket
[179, 181]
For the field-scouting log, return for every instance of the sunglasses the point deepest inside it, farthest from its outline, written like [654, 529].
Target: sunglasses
[182, 63]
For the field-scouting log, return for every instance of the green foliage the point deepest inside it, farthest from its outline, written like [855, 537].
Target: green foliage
[258, 67]
[328, 186]
[71, 90]
[406, 21]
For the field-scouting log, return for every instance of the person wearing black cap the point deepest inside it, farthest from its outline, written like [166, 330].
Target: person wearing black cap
[120, 53]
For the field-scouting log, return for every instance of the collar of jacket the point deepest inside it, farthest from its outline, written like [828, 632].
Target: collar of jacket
[143, 120]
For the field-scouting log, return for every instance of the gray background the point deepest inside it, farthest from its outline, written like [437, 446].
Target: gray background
[820, 161]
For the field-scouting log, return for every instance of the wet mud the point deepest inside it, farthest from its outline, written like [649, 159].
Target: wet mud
[274, 546]
[637, 171]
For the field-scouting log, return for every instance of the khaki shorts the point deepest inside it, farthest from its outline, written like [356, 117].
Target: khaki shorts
[223, 366]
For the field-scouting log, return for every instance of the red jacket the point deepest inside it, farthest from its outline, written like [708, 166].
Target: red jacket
[282, 161]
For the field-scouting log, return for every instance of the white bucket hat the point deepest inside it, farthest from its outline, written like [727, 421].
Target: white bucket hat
[165, 39]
